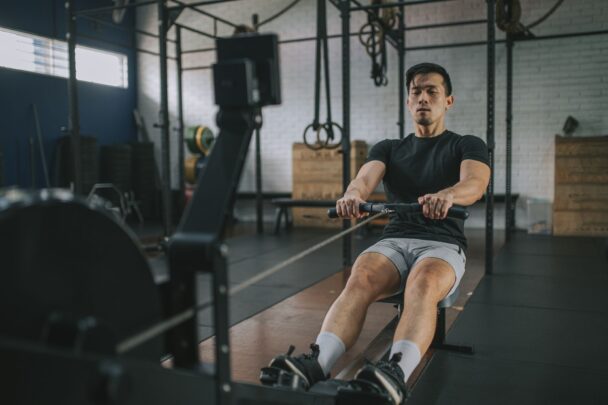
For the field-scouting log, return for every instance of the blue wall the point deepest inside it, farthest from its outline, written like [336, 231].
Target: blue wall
[105, 112]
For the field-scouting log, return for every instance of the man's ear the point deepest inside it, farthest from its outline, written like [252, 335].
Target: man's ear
[449, 102]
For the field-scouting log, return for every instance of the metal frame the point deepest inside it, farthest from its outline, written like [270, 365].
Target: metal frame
[509, 217]
[491, 68]
[398, 41]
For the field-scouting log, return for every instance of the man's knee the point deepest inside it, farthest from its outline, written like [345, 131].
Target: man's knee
[432, 279]
[370, 282]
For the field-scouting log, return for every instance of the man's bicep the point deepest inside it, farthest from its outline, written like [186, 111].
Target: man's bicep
[372, 173]
[474, 169]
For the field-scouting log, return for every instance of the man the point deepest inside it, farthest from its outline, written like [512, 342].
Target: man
[438, 169]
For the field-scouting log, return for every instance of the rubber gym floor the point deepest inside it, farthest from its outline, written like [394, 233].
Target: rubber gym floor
[538, 324]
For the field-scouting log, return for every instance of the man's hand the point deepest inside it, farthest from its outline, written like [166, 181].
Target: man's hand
[348, 206]
[436, 206]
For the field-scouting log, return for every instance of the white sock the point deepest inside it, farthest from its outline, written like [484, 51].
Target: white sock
[410, 356]
[331, 348]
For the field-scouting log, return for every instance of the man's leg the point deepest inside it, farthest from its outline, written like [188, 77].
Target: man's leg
[373, 276]
[429, 281]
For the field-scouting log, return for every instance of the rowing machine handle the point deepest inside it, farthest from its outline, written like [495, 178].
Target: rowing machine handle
[453, 212]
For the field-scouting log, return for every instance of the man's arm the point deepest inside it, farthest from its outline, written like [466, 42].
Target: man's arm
[360, 188]
[474, 179]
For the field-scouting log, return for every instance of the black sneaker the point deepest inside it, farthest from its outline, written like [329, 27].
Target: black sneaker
[387, 375]
[305, 366]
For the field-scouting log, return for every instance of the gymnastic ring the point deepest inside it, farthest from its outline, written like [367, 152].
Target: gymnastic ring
[318, 144]
[328, 126]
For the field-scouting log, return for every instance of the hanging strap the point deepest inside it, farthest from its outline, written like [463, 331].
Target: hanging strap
[322, 54]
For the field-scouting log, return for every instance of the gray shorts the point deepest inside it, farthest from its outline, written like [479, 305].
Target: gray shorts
[405, 253]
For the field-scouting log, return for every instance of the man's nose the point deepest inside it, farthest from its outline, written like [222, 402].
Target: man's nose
[423, 98]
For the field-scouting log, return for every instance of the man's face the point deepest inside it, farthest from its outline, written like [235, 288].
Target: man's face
[427, 100]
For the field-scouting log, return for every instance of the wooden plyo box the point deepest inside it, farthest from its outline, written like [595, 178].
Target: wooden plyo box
[580, 205]
[317, 175]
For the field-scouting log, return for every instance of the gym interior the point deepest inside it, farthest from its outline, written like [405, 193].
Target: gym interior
[171, 174]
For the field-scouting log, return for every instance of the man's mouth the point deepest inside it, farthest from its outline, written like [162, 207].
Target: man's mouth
[423, 109]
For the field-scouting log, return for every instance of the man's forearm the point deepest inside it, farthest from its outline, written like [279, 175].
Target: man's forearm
[466, 192]
[358, 188]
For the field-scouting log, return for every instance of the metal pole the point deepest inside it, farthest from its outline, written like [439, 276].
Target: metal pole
[259, 198]
[490, 139]
[509, 218]
[259, 202]
[401, 54]
[73, 114]
[390, 5]
[180, 115]
[163, 118]
[345, 14]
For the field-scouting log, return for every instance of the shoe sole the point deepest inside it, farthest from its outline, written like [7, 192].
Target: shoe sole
[374, 375]
[292, 367]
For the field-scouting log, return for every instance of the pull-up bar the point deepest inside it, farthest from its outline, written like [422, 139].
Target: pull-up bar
[193, 7]
[203, 33]
[112, 8]
[391, 5]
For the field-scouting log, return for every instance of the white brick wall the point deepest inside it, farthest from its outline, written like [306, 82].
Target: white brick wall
[552, 79]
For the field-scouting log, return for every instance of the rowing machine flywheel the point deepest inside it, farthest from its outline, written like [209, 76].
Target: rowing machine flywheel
[63, 255]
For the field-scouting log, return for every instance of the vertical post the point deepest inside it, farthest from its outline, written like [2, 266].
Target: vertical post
[259, 201]
[180, 114]
[402, 89]
[221, 325]
[490, 139]
[163, 118]
[509, 217]
[73, 114]
[345, 14]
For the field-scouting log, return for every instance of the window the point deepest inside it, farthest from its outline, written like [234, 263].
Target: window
[31, 53]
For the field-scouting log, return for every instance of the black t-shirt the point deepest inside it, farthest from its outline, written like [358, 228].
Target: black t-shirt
[418, 166]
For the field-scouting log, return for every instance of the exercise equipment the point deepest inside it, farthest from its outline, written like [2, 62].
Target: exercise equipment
[143, 172]
[89, 162]
[193, 167]
[328, 128]
[199, 139]
[372, 36]
[413, 208]
[45, 170]
[68, 258]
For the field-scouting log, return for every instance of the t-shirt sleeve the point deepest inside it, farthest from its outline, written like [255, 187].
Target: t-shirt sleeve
[380, 151]
[474, 148]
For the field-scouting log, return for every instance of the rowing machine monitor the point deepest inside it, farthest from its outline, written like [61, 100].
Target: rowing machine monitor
[247, 71]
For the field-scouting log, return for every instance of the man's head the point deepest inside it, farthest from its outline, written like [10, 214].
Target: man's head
[429, 93]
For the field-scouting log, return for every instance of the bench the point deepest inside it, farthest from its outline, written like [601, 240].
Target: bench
[283, 205]
[440, 330]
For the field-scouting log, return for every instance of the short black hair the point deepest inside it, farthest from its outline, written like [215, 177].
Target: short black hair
[425, 68]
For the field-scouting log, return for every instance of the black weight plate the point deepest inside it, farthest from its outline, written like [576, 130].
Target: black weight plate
[60, 254]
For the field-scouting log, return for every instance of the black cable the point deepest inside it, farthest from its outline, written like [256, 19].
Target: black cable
[547, 14]
[277, 15]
